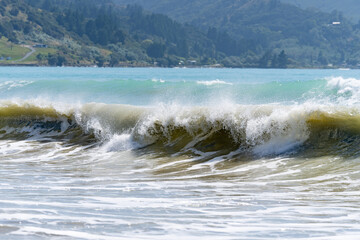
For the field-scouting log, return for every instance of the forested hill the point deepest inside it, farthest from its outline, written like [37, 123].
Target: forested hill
[87, 32]
[309, 37]
[241, 33]
[350, 8]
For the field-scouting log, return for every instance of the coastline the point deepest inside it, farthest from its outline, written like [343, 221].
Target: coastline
[190, 66]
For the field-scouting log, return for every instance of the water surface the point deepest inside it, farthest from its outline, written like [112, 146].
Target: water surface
[149, 153]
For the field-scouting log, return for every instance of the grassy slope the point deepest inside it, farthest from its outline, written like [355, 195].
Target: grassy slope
[44, 51]
[14, 51]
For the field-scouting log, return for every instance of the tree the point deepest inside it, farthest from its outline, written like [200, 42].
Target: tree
[265, 60]
[40, 57]
[282, 60]
[61, 60]
[100, 61]
[156, 50]
[322, 59]
[55, 60]
[47, 5]
[114, 59]
[212, 33]
[275, 61]
[52, 59]
[119, 36]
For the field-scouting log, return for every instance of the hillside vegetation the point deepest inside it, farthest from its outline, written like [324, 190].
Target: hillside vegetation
[87, 32]
[309, 37]
[350, 8]
[243, 33]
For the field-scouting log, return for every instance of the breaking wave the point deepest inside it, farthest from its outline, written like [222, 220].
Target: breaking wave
[171, 129]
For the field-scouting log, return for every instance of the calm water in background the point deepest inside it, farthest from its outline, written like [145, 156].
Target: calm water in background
[95, 153]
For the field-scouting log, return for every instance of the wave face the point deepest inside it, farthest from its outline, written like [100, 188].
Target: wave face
[238, 130]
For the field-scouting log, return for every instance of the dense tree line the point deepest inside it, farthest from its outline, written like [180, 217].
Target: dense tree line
[269, 60]
[103, 29]
[111, 25]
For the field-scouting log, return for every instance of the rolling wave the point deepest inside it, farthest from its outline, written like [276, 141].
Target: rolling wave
[170, 129]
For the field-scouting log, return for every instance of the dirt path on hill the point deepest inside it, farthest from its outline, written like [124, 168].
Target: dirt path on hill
[33, 50]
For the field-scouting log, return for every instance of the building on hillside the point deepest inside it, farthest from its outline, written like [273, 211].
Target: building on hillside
[40, 46]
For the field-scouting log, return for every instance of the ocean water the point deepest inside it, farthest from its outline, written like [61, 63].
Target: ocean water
[150, 153]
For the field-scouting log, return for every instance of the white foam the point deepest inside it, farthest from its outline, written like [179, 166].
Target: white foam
[278, 132]
[122, 142]
[158, 80]
[347, 89]
[8, 85]
[63, 233]
[213, 82]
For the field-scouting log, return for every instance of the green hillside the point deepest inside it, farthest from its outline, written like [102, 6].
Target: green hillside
[84, 32]
[243, 33]
[265, 26]
[350, 8]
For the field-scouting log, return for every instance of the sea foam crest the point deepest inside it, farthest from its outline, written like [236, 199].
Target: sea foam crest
[347, 89]
[265, 129]
[280, 131]
[257, 129]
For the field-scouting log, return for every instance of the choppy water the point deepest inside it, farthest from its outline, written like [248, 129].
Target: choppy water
[90, 153]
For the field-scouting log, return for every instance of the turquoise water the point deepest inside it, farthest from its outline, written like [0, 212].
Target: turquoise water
[151, 153]
[152, 85]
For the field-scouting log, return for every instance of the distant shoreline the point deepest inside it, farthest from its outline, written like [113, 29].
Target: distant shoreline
[187, 67]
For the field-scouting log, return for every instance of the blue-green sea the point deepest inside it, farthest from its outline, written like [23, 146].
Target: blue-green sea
[198, 153]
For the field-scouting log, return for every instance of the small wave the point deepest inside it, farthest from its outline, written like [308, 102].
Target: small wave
[8, 85]
[157, 80]
[213, 82]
